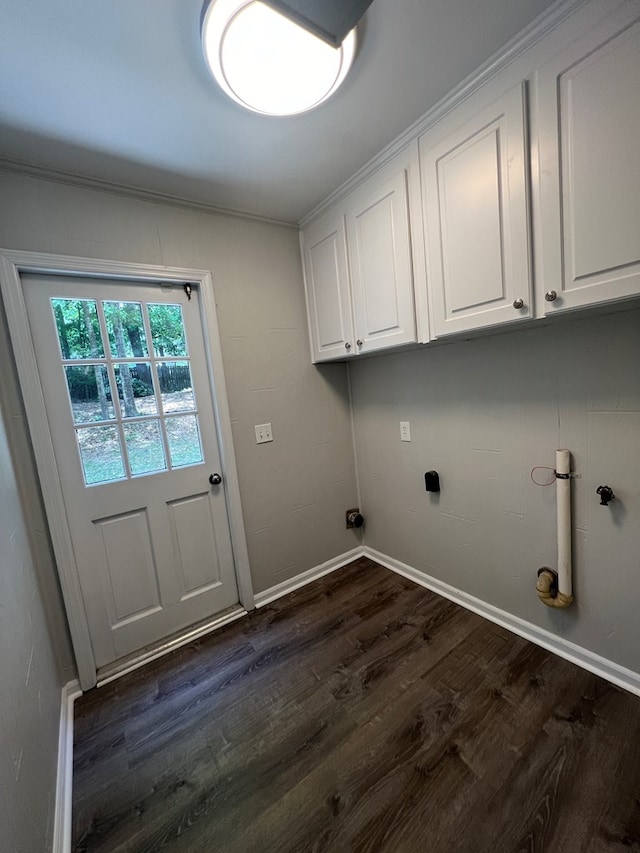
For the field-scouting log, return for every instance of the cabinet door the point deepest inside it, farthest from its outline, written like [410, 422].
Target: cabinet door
[476, 206]
[589, 137]
[381, 263]
[327, 284]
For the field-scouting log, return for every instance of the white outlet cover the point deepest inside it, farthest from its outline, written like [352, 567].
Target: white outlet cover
[263, 433]
[405, 431]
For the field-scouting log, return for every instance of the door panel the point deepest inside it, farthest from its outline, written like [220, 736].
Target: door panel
[589, 103]
[131, 575]
[381, 265]
[327, 282]
[194, 543]
[476, 203]
[472, 233]
[129, 405]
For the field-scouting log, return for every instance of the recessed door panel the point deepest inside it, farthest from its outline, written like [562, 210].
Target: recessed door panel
[471, 215]
[131, 577]
[326, 279]
[376, 247]
[194, 542]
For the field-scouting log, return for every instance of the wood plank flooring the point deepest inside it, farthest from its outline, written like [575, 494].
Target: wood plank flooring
[360, 713]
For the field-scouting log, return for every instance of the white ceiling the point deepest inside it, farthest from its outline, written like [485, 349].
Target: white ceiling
[118, 90]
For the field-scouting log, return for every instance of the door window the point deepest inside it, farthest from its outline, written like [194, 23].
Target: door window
[134, 410]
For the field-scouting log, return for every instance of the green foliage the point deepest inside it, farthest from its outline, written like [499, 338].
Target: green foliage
[80, 336]
[82, 384]
[78, 328]
[167, 329]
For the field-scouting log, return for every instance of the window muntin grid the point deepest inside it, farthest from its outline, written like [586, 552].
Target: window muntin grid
[143, 427]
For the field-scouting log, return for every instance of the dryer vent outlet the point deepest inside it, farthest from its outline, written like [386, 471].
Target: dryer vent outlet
[354, 519]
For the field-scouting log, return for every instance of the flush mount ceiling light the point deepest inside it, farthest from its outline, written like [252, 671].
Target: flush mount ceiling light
[268, 63]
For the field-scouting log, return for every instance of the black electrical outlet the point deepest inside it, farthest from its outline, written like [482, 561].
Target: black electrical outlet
[432, 481]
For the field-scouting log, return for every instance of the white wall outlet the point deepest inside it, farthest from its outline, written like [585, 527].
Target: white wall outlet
[263, 433]
[405, 431]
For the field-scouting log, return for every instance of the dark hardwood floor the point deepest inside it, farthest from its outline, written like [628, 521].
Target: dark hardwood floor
[360, 713]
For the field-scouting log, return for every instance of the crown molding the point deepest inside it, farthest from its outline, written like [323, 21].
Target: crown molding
[32, 170]
[541, 26]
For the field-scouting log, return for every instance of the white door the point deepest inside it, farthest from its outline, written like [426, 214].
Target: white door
[328, 293]
[128, 399]
[589, 132]
[381, 264]
[475, 194]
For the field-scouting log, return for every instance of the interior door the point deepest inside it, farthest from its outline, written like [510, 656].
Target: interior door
[128, 399]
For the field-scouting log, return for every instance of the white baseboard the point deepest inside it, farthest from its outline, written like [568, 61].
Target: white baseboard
[284, 588]
[613, 672]
[64, 781]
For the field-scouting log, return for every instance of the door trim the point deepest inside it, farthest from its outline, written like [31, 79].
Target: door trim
[12, 264]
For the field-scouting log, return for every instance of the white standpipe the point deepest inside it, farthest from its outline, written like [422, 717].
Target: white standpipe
[556, 590]
[563, 501]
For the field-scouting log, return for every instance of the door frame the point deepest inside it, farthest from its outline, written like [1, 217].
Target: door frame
[12, 265]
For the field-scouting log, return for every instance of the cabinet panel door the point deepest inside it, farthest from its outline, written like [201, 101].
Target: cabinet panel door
[475, 194]
[381, 266]
[327, 281]
[589, 117]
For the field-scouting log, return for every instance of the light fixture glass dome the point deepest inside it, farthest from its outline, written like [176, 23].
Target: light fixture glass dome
[268, 63]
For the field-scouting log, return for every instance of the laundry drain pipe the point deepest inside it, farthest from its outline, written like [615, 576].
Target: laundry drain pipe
[555, 589]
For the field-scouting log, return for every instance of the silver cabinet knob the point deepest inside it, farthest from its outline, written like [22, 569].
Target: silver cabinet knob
[359, 342]
[518, 303]
[215, 479]
[347, 345]
[550, 296]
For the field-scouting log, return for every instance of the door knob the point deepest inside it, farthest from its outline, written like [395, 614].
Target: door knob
[518, 303]
[215, 479]
[550, 296]
[347, 345]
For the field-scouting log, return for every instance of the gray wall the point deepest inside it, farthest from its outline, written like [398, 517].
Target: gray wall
[295, 490]
[31, 683]
[483, 413]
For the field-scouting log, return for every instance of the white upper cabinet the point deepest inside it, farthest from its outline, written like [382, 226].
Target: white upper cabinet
[383, 223]
[324, 251]
[362, 282]
[474, 169]
[589, 168]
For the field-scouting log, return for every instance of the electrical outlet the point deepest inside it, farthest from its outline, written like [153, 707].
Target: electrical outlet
[263, 433]
[405, 431]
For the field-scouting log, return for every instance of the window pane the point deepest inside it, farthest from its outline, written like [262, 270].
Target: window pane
[175, 386]
[135, 389]
[144, 446]
[184, 441]
[167, 330]
[90, 393]
[126, 330]
[78, 328]
[101, 454]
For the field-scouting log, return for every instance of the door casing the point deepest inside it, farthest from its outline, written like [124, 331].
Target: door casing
[12, 265]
